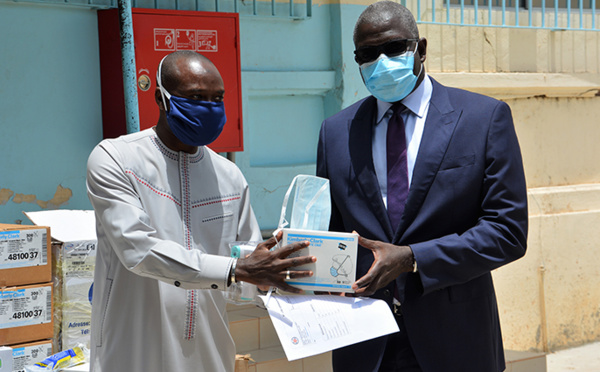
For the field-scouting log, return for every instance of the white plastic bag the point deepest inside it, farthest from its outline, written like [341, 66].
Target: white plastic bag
[242, 293]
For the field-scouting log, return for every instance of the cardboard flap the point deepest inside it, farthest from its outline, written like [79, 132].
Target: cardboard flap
[66, 225]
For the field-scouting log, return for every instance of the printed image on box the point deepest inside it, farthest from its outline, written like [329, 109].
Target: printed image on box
[335, 269]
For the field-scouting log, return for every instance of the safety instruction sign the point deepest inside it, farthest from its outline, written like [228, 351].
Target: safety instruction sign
[170, 40]
[207, 41]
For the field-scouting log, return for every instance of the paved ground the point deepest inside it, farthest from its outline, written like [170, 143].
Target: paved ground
[580, 359]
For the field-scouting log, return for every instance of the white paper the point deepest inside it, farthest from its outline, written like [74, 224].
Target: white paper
[311, 325]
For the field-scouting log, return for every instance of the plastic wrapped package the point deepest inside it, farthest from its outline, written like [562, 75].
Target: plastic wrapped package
[242, 293]
[73, 260]
[73, 282]
[64, 359]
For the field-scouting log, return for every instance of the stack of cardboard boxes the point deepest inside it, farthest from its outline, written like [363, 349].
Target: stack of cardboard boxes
[46, 281]
[26, 296]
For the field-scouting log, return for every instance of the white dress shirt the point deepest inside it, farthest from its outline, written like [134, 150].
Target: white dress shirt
[414, 118]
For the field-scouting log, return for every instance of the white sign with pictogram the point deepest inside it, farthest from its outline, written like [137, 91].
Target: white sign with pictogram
[170, 40]
[164, 39]
[186, 39]
[207, 41]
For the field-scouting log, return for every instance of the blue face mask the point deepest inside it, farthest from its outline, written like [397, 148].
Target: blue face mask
[195, 123]
[391, 79]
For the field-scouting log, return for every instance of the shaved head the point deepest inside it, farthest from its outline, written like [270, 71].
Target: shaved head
[171, 67]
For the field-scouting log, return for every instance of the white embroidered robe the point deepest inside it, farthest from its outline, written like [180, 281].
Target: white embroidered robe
[164, 222]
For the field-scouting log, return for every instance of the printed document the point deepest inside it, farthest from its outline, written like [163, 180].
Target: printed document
[311, 325]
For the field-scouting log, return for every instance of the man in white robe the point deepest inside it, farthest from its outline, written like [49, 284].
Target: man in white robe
[167, 208]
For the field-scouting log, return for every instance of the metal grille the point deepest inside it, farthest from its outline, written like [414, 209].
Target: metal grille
[537, 14]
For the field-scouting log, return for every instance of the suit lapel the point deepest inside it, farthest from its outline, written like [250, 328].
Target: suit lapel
[439, 126]
[361, 156]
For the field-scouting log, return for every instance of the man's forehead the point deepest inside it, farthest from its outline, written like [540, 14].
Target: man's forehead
[196, 68]
[193, 65]
[381, 28]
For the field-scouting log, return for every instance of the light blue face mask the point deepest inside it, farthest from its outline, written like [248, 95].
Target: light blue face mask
[311, 208]
[391, 79]
[341, 266]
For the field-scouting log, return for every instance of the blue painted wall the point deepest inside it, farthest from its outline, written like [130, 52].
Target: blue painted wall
[294, 74]
[50, 115]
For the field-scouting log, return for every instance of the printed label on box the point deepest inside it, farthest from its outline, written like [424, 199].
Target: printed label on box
[28, 355]
[79, 258]
[23, 248]
[26, 306]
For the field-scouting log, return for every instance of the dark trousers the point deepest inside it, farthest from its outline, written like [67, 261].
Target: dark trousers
[398, 355]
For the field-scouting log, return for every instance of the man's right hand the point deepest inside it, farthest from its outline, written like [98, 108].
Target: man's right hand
[270, 268]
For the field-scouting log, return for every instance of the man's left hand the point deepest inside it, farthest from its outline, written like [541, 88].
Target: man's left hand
[390, 261]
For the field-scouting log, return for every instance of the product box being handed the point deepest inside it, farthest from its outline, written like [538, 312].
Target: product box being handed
[335, 269]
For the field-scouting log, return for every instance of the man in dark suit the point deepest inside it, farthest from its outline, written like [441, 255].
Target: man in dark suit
[437, 207]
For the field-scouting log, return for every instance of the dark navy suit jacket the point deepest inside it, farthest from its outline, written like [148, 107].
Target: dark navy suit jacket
[466, 215]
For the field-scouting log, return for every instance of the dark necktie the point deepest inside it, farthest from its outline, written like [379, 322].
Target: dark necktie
[397, 171]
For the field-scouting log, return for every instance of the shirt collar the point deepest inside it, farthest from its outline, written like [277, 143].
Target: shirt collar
[417, 102]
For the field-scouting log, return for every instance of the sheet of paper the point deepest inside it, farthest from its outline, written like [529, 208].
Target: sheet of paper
[311, 325]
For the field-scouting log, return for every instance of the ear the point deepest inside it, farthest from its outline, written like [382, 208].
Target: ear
[158, 99]
[422, 48]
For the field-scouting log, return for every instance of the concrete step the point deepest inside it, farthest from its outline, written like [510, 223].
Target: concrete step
[524, 361]
[254, 334]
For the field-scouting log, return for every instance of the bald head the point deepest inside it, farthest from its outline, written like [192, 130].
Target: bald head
[175, 65]
[382, 12]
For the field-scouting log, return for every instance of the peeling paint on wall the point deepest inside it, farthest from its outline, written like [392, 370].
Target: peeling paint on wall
[61, 197]
[5, 195]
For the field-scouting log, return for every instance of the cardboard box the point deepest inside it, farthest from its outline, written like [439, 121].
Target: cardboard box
[30, 353]
[335, 269]
[6, 361]
[24, 255]
[74, 258]
[25, 313]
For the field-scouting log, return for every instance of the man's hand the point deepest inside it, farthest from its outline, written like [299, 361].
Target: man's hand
[390, 261]
[269, 268]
